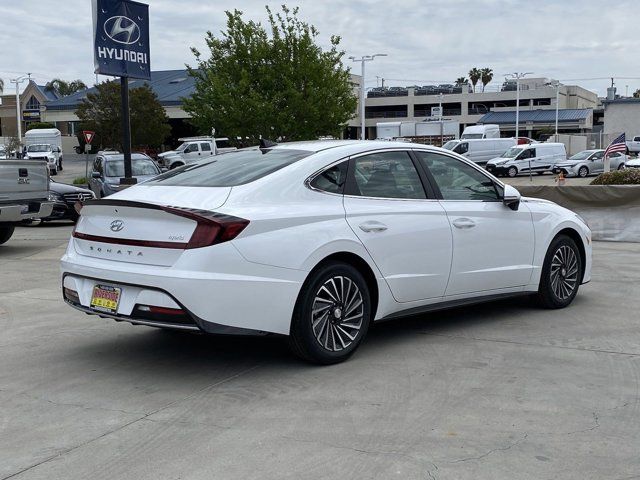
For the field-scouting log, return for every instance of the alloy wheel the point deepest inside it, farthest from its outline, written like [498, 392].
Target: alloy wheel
[564, 272]
[337, 313]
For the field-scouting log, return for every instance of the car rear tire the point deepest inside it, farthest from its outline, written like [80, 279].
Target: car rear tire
[561, 274]
[512, 172]
[583, 172]
[6, 233]
[332, 314]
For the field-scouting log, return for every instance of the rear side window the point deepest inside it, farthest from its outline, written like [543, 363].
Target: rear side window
[386, 175]
[331, 180]
[205, 147]
[230, 169]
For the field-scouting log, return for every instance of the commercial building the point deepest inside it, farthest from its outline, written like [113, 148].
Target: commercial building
[622, 115]
[32, 100]
[460, 103]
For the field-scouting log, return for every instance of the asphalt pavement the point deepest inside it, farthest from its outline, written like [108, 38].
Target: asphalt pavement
[498, 391]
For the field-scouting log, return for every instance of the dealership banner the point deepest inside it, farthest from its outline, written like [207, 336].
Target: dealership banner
[121, 38]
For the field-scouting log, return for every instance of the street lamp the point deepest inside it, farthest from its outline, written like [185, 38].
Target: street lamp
[18, 81]
[362, 60]
[518, 76]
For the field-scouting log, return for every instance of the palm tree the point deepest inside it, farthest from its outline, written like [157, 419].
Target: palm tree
[486, 75]
[474, 76]
[64, 88]
[461, 81]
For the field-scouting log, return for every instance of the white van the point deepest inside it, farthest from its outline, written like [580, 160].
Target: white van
[533, 157]
[481, 131]
[481, 150]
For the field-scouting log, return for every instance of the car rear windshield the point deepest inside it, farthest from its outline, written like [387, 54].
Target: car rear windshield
[115, 168]
[231, 169]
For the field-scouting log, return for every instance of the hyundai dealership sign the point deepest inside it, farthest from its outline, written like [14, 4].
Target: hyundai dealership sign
[121, 38]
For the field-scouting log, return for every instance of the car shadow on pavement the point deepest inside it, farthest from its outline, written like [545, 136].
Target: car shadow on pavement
[184, 351]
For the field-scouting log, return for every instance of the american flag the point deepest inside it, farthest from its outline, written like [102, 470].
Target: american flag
[618, 145]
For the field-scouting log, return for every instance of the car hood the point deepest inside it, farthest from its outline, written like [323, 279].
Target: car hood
[167, 154]
[570, 163]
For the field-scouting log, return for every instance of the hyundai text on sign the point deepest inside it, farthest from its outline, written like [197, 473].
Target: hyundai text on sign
[121, 38]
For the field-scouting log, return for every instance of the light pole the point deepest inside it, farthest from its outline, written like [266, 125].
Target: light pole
[362, 60]
[518, 76]
[556, 84]
[18, 81]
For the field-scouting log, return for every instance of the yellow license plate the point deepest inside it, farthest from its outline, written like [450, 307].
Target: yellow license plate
[105, 298]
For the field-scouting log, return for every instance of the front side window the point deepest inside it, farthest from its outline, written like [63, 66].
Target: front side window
[598, 156]
[231, 169]
[461, 148]
[458, 180]
[528, 153]
[331, 180]
[387, 175]
[191, 148]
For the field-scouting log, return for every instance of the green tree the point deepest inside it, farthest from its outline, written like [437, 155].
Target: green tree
[636, 94]
[486, 75]
[474, 77]
[64, 88]
[1, 85]
[461, 81]
[101, 112]
[275, 83]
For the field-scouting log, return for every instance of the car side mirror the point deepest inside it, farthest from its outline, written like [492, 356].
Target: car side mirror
[511, 197]
[95, 174]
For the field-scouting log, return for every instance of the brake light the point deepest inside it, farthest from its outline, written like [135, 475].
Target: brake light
[211, 228]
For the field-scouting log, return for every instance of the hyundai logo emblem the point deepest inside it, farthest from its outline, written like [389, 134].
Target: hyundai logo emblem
[122, 29]
[117, 225]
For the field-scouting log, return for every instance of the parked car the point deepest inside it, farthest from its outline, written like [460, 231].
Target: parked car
[479, 150]
[633, 146]
[24, 186]
[47, 152]
[481, 131]
[529, 158]
[589, 162]
[193, 149]
[108, 169]
[315, 241]
[46, 136]
[632, 163]
[64, 198]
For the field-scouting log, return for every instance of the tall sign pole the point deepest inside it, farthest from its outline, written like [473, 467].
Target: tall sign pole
[121, 49]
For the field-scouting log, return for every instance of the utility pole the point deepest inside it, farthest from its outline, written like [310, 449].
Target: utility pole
[18, 81]
[518, 76]
[363, 60]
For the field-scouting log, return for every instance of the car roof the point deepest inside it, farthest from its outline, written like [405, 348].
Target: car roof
[120, 156]
[321, 145]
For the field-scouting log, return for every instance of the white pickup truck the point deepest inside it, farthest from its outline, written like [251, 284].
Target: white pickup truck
[24, 194]
[633, 146]
[193, 149]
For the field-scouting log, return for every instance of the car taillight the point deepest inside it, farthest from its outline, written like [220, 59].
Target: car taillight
[212, 227]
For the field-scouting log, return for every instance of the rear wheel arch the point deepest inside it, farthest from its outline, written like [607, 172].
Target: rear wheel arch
[359, 264]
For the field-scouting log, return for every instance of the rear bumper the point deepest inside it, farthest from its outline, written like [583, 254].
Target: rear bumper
[25, 211]
[216, 286]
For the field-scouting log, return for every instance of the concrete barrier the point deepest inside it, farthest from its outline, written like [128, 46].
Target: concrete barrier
[612, 211]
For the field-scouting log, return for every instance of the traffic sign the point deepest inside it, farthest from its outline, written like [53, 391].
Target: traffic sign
[88, 136]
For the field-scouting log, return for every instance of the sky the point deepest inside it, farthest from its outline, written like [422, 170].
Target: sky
[581, 42]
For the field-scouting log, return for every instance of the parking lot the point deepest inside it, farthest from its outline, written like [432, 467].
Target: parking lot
[499, 391]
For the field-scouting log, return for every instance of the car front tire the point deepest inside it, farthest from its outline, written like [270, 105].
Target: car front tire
[332, 314]
[512, 172]
[561, 274]
[583, 172]
[621, 166]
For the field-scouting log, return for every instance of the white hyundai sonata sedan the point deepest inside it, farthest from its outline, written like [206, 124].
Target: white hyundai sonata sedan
[316, 240]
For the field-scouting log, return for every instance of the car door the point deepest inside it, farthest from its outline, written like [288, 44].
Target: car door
[493, 246]
[596, 162]
[205, 149]
[192, 152]
[402, 226]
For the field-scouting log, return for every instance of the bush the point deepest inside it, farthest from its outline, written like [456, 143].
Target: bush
[628, 176]
[80, 181]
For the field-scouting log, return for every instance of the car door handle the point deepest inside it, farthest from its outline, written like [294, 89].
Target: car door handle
[372, 227]
[464, 223]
